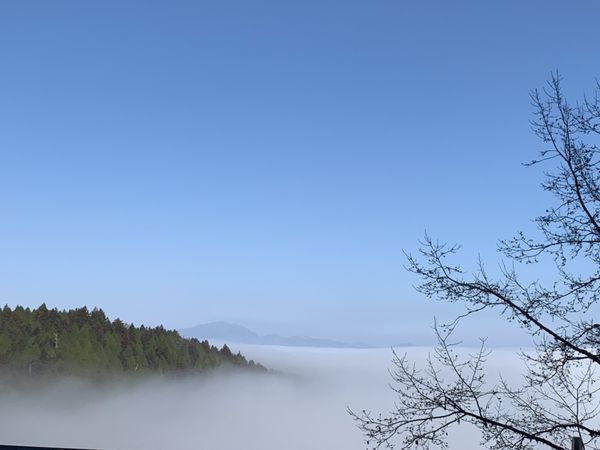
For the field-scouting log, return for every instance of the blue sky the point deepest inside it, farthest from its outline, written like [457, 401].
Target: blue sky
[266, 162]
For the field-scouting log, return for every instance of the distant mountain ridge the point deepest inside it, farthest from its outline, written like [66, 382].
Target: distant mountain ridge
[231, 332]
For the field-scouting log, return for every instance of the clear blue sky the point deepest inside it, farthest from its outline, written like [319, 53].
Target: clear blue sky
[266, 162]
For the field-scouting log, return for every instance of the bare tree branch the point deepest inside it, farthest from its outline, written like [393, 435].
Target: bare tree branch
[559, 396]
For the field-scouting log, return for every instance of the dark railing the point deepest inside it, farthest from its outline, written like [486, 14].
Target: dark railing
[576, 444]
[29, 447]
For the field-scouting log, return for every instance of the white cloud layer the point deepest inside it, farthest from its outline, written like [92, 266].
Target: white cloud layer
[303, 409]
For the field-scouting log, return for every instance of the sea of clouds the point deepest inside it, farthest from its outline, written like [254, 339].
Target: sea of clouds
[303, 406]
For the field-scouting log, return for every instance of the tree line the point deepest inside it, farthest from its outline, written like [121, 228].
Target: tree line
[47, 341]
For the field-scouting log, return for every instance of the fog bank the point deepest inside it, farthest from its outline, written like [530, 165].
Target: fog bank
[304, 407]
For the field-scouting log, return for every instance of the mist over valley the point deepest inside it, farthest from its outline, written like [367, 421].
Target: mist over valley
[302, 404]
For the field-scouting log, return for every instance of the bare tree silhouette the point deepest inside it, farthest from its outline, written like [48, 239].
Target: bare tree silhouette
[559, 394]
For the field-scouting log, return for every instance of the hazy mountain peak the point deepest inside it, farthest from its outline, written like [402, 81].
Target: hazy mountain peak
[231, 332]
[221, 330]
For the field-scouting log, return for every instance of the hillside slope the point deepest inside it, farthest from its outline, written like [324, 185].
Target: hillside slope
[83, 342]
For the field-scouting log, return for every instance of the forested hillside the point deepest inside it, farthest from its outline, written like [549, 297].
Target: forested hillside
[46, 341]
